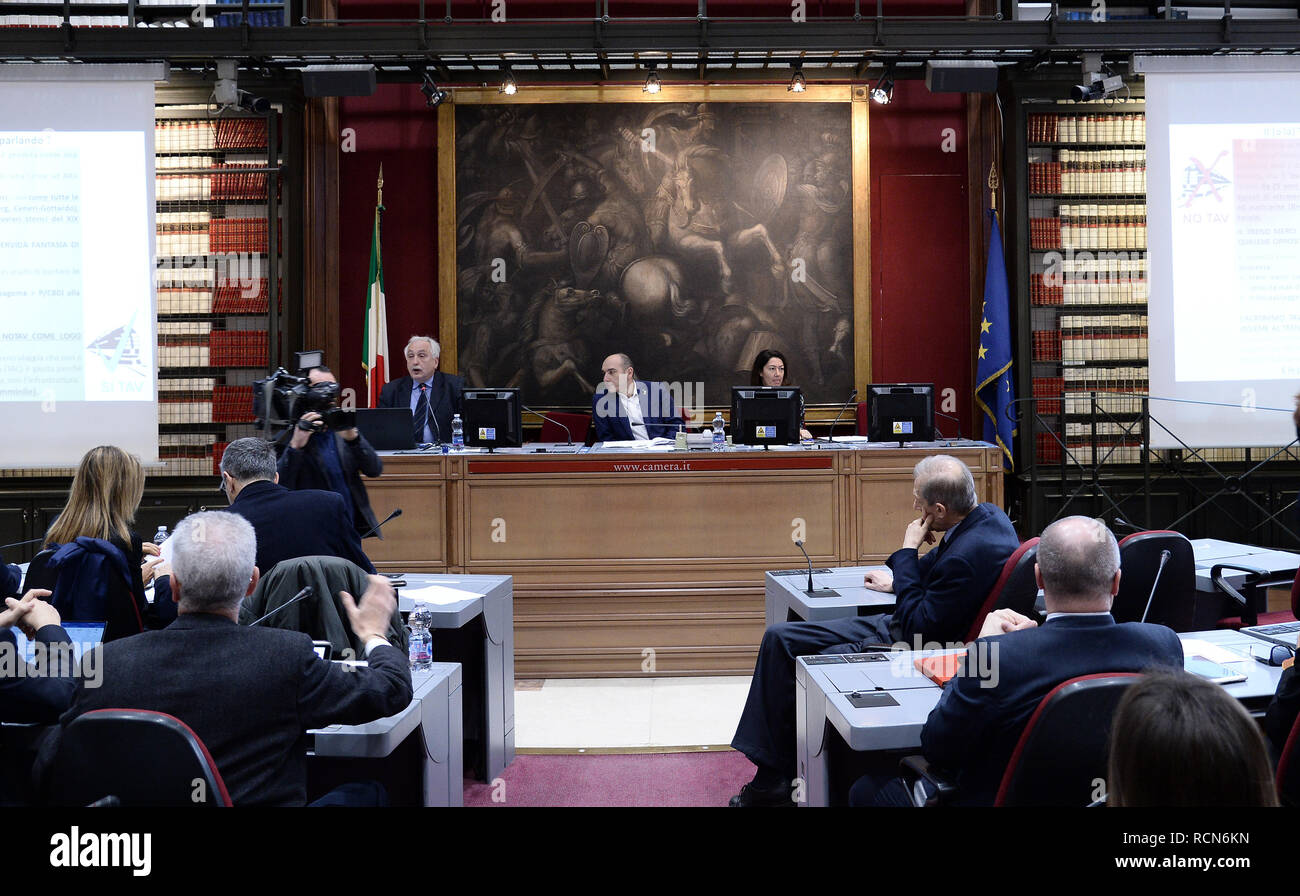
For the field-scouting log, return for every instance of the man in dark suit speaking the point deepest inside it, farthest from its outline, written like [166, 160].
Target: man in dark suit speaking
[289, 524]
[432, 396]
[937, 598]
[250, 693]
[975, 726]
[624, 408]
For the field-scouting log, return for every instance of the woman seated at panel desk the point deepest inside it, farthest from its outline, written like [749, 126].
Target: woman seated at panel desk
[769, 370]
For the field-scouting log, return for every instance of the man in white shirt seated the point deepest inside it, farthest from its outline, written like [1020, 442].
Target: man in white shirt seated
[624, 409]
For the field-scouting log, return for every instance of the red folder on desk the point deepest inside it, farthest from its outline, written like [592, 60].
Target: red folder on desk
[940, 669]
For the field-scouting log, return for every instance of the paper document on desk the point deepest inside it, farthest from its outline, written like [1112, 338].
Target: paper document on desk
[850, 439]
[643, 444]
[437, 594]
[1212, 652]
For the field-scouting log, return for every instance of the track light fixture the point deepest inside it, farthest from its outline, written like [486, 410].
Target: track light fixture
[508, 84]
[883, 92]
[652, 84]
[433, 94]
[797, 82]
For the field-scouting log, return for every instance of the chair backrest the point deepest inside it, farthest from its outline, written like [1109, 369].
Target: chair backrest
[139, 757]
[1295, 596]
[321, 615]
[1174, 603]
[1061, 754]
[1016, 588]
[90, 584]
[1288, 768]
[578, 425]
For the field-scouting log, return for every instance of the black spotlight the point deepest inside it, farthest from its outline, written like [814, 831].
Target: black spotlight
[433, 94]
[251, 102]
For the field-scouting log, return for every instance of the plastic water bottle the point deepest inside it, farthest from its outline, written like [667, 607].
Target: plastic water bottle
[160, 536]
[420, 652]
[457, 432]
[719, 432]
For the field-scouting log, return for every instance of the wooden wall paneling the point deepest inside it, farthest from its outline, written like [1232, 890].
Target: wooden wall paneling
[417, 541]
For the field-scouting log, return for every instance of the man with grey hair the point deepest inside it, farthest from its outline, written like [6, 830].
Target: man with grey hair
[978, 720]
[250, 693]
[289, 524]
[432, 396]
[937, 597]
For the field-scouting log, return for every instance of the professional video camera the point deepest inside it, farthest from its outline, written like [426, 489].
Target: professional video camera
[282, 398]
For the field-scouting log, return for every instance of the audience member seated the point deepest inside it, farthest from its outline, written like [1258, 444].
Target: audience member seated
[289, 524]
[1179, 740]
[974, 728]
[432, 396]
[106, 490]
[624, 408]
[249, 693]
[34, 693]
[770, 370]
[937, 598]
[313, 457]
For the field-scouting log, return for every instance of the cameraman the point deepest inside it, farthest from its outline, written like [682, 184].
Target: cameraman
[313, 457]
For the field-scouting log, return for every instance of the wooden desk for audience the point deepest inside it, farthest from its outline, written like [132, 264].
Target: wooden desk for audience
[827, 723]
[648, 564]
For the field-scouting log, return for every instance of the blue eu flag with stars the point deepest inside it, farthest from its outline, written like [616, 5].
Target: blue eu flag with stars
[994, 392]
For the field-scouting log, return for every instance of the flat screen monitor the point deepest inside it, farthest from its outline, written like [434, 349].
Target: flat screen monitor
[493, 418]
[900, 412]
[763, 415]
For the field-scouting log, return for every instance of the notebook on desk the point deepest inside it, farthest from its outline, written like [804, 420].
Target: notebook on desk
[386, 429]
[940, 669]
[83, 635]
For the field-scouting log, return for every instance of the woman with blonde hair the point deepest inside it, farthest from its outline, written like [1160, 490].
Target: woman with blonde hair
[106, 491]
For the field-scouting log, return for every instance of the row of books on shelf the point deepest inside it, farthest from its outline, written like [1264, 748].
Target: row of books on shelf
[1112, 450]
[185, 135]
[1105, 337]
[1097, 393]
[1051, 127]
[228, 404]
[225, 182]
[218, 348]
[211, 235]
[1102, 171]
[224, 298]
[1050, 290]
[1085, 230]
[182, 20]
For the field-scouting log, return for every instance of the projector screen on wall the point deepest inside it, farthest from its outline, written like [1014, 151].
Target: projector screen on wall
[1223, 213]
[77, 336]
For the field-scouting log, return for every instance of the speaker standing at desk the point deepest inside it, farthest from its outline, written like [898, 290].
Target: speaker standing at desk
[937, 598]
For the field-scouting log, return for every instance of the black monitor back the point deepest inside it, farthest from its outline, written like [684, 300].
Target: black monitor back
[763, 415]
[900, 412]
[493, 418]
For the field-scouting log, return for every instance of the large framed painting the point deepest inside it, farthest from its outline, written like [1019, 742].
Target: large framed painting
[690, 233]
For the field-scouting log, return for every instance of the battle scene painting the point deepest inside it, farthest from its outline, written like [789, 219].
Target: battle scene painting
[689, 235]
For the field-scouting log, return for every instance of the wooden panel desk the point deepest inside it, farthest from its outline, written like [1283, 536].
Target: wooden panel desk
[648, 564]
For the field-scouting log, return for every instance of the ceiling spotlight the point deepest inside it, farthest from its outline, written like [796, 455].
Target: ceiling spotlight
[883, 92]
[433, 94]
[652, 84]
[249, 102]
[797, 82]
[508, 85]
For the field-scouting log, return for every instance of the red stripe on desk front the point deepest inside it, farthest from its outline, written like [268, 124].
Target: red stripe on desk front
[658, 465]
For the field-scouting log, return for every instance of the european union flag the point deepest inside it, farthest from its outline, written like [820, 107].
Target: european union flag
[994, 392]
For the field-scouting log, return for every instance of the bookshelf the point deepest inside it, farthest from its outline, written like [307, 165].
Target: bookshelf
[145, 14]
[219, 233]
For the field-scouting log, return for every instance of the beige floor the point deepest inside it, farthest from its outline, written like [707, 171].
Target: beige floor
[628, 713]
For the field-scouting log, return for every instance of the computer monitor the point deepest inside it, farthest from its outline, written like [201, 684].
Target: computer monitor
[764, 415]
[493, 418]
[900, 412]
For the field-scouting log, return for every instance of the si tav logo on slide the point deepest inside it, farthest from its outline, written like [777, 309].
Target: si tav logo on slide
[1201, 180]
[119, 349]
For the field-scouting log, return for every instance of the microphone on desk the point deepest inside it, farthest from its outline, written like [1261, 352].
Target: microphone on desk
[18, 544]
[1164, 558]
[559, 423]
[815, 592]
[1122, 523]
[377, 526]
[831, 437]
[953, 419]
[301, 595]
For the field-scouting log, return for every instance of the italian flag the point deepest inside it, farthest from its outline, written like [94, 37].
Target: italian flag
[374, 342]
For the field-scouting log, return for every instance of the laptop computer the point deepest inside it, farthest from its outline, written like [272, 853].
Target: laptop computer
[1284, 633]
[387, 429]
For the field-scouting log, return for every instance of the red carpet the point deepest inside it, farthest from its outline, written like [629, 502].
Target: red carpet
[620, 779]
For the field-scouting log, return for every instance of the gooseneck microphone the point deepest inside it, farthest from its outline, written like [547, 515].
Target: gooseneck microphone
[377, 526]
[953, 419]
[831, 437]
[1164, 558]
[301, 595]
[559, 423]
[18, 544]
[811, 591]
